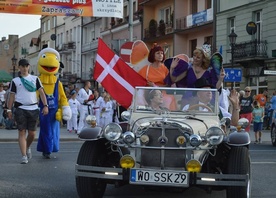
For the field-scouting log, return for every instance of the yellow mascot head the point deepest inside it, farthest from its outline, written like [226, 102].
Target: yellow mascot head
[48, 61]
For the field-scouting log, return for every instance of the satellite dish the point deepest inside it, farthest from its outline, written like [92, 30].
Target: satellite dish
[251, 28]
[53, 37]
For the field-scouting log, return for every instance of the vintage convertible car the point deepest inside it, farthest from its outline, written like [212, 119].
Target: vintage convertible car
[179, 144]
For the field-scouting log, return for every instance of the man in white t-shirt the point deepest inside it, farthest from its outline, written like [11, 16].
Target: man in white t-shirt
[22, 96]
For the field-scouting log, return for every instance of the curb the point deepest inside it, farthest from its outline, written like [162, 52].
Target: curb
[35, 140]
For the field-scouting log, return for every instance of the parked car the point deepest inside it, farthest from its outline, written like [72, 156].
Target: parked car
[166, 147]
[273, 129]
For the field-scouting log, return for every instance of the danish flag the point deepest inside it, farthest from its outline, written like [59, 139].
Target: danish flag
[116, 76]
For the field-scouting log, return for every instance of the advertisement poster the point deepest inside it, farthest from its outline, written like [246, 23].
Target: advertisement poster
[96, 8]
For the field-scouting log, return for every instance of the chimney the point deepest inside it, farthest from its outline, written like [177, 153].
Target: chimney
[3, 38]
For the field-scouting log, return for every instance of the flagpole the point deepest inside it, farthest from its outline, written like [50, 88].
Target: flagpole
[130, 20]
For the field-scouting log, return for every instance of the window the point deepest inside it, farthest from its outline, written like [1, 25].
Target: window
[193, 6]
[258, 84]
[167, 50]
[258, 21]
[166, 15]
[209, 40]
[193, 44]
[208, 4]
[71, 35]
[43, 27]
[231, 24]
[54, 21]
[48, 25]
[125, 11]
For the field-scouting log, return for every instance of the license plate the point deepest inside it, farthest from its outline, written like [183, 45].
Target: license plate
[159, 177]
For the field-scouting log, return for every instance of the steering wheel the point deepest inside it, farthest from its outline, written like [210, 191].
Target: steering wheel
[200, 105]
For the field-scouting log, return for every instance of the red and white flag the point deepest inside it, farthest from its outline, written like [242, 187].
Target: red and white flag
[116, 76]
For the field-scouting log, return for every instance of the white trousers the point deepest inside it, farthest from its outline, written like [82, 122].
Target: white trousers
[72, 124]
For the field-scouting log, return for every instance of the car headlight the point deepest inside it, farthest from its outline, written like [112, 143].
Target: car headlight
[127, 161]
[112, 131]
[195, 140]
[128, 137]
[193, 166]
[91, 120]
[214, 135]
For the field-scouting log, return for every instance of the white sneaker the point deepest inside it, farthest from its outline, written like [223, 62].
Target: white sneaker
[29, 153]
[24, 160]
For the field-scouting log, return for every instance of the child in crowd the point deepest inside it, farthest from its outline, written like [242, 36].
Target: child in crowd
[106, 111]
[74, 104]
[258, 118]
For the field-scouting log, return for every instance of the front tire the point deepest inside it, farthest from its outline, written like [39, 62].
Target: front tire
[273, 135]
[239, 163]
[92, 153]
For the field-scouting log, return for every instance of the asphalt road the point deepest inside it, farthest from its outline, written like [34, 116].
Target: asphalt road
[54, 178]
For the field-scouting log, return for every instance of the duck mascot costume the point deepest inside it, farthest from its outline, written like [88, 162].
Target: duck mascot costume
[48, 67]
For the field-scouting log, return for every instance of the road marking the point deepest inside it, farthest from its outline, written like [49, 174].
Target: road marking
[262, 150]
[263, 162]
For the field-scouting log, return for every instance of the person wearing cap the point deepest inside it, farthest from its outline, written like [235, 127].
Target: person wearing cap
[74, 104]
[23, 97]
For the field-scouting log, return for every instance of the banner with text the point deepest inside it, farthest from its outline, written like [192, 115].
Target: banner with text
[96, 8]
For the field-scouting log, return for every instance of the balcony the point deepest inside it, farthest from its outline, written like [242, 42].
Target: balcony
[158, 33]
[251, 50]
[194, 20]
[66, 48]
[93, 45]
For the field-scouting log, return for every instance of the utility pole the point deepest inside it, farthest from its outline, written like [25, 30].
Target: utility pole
[130, 20]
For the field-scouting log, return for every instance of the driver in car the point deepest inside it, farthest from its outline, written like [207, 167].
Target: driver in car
[204, 98]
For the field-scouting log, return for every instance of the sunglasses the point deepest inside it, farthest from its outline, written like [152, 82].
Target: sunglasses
[247, 91]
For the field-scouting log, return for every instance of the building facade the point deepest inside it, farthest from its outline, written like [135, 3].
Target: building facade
[178, 25]
[255, 48]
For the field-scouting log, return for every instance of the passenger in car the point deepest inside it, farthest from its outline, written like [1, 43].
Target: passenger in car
[155, 99]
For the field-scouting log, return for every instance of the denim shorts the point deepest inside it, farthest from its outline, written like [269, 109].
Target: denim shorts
[26, 119]
[257, 126]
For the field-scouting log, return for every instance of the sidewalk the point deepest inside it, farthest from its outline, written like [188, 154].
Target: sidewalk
[12, 135]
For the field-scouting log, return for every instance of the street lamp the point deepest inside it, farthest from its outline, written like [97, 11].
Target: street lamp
[232, 38]
[14, 61]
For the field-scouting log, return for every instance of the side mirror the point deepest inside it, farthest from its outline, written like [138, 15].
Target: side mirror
[225, 122]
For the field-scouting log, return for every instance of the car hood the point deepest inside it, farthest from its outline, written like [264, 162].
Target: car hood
[196, 124]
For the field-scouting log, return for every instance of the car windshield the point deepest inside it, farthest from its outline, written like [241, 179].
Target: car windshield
[168, 99]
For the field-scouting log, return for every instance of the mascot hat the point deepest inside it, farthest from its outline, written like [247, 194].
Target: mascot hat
[49, 50]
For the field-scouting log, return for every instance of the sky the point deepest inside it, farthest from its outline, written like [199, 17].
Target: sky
[18, 24]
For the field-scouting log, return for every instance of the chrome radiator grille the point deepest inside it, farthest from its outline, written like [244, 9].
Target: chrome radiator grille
[163, 137]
